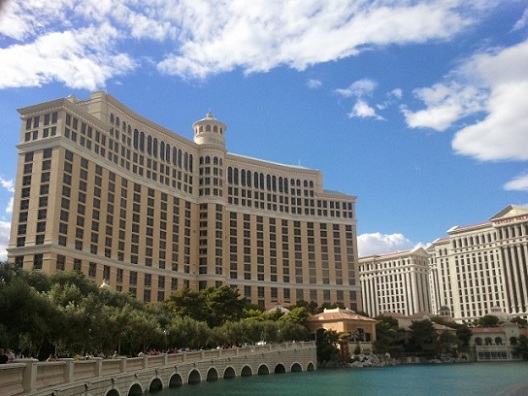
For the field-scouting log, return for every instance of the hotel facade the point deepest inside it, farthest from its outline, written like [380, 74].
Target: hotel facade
[477, 270]
[482, 269]
[105, 191]
[395, 282]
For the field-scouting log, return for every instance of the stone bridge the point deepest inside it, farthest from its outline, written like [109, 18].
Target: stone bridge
[137, 376]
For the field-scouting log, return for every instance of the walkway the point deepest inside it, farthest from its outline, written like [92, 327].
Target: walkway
[136, 376]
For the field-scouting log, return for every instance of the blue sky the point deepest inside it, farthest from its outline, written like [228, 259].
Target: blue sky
[418, 108]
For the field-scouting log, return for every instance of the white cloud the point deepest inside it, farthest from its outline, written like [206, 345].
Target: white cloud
[491, 87]
[362, 110]
[5, 228]
[9, 185]
[204, 37]
[359, 88]
[445, 105]
[520, 183]
[314, 84]
[521, 23]
[9, 208]
[502, 134]
[396, 93]
[377, 243]
[79, 58]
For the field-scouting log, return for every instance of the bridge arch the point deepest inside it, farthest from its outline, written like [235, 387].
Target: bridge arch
[263, 370]
[229, 372]
[112, 392]
[296, 368]
[155, 385]
[135, 390]
[194, 377]
[246, 371]
[279, 369]
[175, 381]
[310, 367]
[212, 374]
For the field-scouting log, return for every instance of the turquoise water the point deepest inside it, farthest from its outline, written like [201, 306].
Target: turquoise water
[480, 379]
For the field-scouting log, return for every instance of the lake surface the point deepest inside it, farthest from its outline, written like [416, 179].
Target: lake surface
[480, 379]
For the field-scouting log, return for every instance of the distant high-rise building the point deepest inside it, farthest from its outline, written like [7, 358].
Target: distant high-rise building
[108, 192]
[395, 282]
[482, 269]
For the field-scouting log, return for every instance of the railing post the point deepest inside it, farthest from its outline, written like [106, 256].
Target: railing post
[69, 370]
[30, 375]
[98, 367]
[123, 365]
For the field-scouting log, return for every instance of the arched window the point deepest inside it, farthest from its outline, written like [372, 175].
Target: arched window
[513, 340]
[149, 144]
[488, 341]
[179, 158]
[268, 182]
[248, 178]
[142, 141]
[286, 190]
[155, 148]
[136, 139]
[235, 176]
[261, 181]
[274, 183]
[243, 177]
[191, 166]
[208, 128]
[478, 341]
[186, 161]
[207, 160]
[255, 179]
[280, 183]
[162, 151]
[230, 175]
[498, 341]
[167, 153]
[215, 160]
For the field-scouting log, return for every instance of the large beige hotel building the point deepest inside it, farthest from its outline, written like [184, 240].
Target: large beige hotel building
[477, 270]
[103, 190]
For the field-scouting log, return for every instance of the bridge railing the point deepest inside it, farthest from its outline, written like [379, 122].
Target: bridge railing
[24, 376]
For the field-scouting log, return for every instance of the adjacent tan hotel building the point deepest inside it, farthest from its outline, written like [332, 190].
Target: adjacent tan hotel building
[478, 270]
[103, 190]
[395, 282]
[483, 268]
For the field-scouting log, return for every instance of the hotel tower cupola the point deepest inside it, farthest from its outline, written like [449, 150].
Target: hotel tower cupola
[209, 130]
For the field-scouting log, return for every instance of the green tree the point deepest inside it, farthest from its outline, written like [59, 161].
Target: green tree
[464, 334]
[522, 347]
[423, 338]
[389, 337]
[326, 343]
[488, 321]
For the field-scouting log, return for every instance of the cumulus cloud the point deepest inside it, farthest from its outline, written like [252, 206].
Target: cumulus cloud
[9, 185]
[491, 87]
[83, 44]
[79, 58]
[359, 88]
[377, 243]
[521, 23]
[520, 183]
[445, 105]
[314, 84]
[363, 110]
[5, 228]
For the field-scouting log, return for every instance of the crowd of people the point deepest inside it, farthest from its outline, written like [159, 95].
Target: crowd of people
[6, 356]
